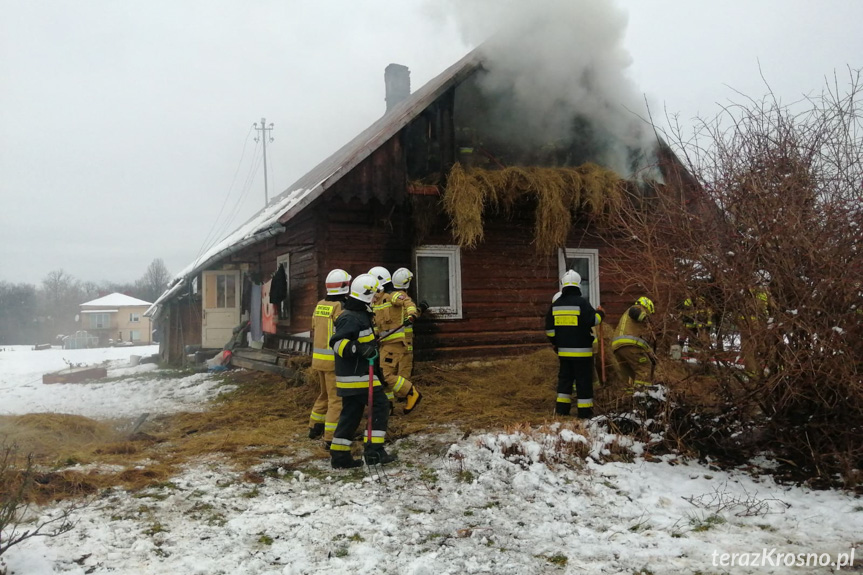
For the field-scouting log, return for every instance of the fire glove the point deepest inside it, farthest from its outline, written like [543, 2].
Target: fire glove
[367, 350]
[601, 312]
[424, 306]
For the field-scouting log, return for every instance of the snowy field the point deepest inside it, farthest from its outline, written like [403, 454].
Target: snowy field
[451, 505]
[138, 391]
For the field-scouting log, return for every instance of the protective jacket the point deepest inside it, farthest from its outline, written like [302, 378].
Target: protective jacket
[568, 324]
[633, 329]
[392, 312]
[353, 334]
[325, 314]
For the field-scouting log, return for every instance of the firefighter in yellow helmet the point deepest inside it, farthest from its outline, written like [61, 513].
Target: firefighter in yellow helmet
[568, 325]
[395, 313]
[632, 343]
[328, 405]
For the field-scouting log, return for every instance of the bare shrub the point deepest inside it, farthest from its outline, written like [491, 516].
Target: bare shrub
[17, 478]
[765, 231]
[722, 501]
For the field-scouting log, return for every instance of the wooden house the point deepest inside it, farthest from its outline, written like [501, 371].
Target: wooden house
[379, 201]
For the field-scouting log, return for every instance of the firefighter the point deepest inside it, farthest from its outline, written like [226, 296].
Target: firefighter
[354, 345]
[697, 318]
[632, 345]
[328, 405]
[568, 325]
[395, 314]
[752, 328]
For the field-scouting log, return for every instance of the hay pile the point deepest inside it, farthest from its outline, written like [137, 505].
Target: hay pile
[560, 193]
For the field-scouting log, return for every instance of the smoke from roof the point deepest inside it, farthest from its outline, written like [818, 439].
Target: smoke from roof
[557, 69]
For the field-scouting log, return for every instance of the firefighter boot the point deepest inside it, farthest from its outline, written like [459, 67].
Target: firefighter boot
[316, 431]
[585, 412]
[377, 455]
[412, 399]
[561, 408]
[344, 460]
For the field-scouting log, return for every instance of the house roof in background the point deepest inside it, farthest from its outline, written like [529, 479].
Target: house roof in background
[116, 300]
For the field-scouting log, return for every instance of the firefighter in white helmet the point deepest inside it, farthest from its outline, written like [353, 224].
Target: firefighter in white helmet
[328, 405]
[568, 325]
[354, 345]
[632, 344]
[395, 314]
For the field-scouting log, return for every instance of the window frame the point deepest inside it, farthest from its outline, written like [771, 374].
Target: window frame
[134, 317]
[592, 257]
[285, 306]
[95, 324]
[453, 255]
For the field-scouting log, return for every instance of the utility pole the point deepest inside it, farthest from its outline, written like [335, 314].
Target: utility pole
[264, 130]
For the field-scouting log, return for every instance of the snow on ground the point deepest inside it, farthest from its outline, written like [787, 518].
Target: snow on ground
[454, 505]
[128, 391]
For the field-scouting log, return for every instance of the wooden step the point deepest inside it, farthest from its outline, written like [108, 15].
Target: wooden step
[247, 363]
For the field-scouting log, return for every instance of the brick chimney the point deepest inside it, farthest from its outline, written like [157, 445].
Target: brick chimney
[398, 84]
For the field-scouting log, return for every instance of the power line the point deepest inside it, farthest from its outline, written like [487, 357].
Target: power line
[208, 238]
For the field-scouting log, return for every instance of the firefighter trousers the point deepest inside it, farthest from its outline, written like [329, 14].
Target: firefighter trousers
[352, 413]
[328, 405]
[397, 363]
[575, 372]
[635, 365]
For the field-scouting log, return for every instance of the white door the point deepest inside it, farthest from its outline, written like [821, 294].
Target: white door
[221, 307]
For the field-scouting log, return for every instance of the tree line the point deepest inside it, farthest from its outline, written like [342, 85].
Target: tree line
[31, 314]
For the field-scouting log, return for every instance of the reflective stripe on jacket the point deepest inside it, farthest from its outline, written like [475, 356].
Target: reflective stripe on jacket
[391, 311]
[633, 329]
[322, 323]
[352, 327]
[569, 322]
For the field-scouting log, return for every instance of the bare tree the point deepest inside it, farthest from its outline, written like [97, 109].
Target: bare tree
[18, 310]
[768, 237]
[154, 281]
[61, 296]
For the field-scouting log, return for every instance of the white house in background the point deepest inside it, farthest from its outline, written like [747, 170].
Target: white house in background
[117, 318]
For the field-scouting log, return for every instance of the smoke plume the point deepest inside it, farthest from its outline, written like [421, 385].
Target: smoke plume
[556, 67]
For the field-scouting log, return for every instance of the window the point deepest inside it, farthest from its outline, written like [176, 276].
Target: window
[100, 320]
[221, 290]
[134, 318]
[135, 335]
[586, 263]
[438, 280]
[285, 306]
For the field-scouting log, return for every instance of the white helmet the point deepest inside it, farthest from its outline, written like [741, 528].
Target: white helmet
[338, 282]
[364, 287]
[382, 274]
[570, 278]
[402, 278]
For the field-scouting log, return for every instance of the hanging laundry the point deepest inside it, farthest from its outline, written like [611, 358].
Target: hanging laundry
[268, 310]
[256, 312]
[279, 289]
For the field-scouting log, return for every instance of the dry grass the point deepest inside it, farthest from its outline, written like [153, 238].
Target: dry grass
[264, 419]
[559, 193]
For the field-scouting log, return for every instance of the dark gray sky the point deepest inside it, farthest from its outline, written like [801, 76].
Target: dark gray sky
[123, 124]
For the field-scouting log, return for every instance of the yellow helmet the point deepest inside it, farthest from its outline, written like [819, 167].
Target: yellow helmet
[645, 302]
